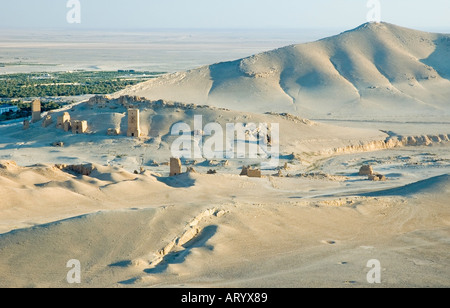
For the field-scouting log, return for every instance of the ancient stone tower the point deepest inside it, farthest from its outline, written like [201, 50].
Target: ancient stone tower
[133, 123]
[35, 111]
[62, 120]
[175, 166]
[79, 127]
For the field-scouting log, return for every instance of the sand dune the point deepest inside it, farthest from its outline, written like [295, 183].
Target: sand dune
[376, 71]
[193, 239]
[436, 185]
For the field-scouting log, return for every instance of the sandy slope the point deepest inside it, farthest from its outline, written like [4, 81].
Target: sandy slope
[376, 71]
[204, 235]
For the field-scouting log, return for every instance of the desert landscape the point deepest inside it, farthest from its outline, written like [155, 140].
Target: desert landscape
[358, 171]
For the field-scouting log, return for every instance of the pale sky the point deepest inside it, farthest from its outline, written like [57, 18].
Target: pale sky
[222, 14]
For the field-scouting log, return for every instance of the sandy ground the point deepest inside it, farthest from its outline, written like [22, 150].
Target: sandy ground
[222, 230]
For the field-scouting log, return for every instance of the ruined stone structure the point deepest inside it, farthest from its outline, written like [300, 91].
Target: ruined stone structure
[79, 127]
[377, 177]
[244, 171]
[250, 172]
[254, 173]
[175, 166]
[99, 101]
[133, 123]
[85, 169]
[58, 144]
[62, 121]
[366, 170]
[67, 126]
[127, 100]
[35, 111]
[48, 120]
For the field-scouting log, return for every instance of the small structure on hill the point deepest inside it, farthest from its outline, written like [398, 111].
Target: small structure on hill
[48, 120]
[254, 173]
[99, 101]
[175, 166]
[35, 111]
[133, 123]
[85, 169]
[250, 172]
[366, 170]
[79, 127]
[377, 177]
[63, 122]
[244, 171]
[58, 144]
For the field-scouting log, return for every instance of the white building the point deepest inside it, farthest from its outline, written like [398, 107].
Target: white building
[7, 108]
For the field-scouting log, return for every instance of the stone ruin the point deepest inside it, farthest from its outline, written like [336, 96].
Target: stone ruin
[79, 127]
[250, 172]
[67, 124]
[58, 144]
[133, 123]
[85, 169]
[367, 170]
[254, 173]
[127, 99]
[63, 122]
[99, 101]
[244, 171]
[35, 111]
[48, 120]
[175, 166]
[102, 101]
[377, 177]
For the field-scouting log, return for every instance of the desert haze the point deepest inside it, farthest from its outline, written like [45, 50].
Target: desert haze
[362, 174]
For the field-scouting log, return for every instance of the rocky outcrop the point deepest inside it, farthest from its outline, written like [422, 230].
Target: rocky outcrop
[391, 142]
[377, 177]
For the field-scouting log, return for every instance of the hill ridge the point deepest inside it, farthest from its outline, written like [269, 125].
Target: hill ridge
[372, 71]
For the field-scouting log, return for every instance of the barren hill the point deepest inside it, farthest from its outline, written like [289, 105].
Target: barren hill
[376, 71]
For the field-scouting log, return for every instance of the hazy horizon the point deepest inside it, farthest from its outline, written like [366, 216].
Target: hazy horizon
[135, 15]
